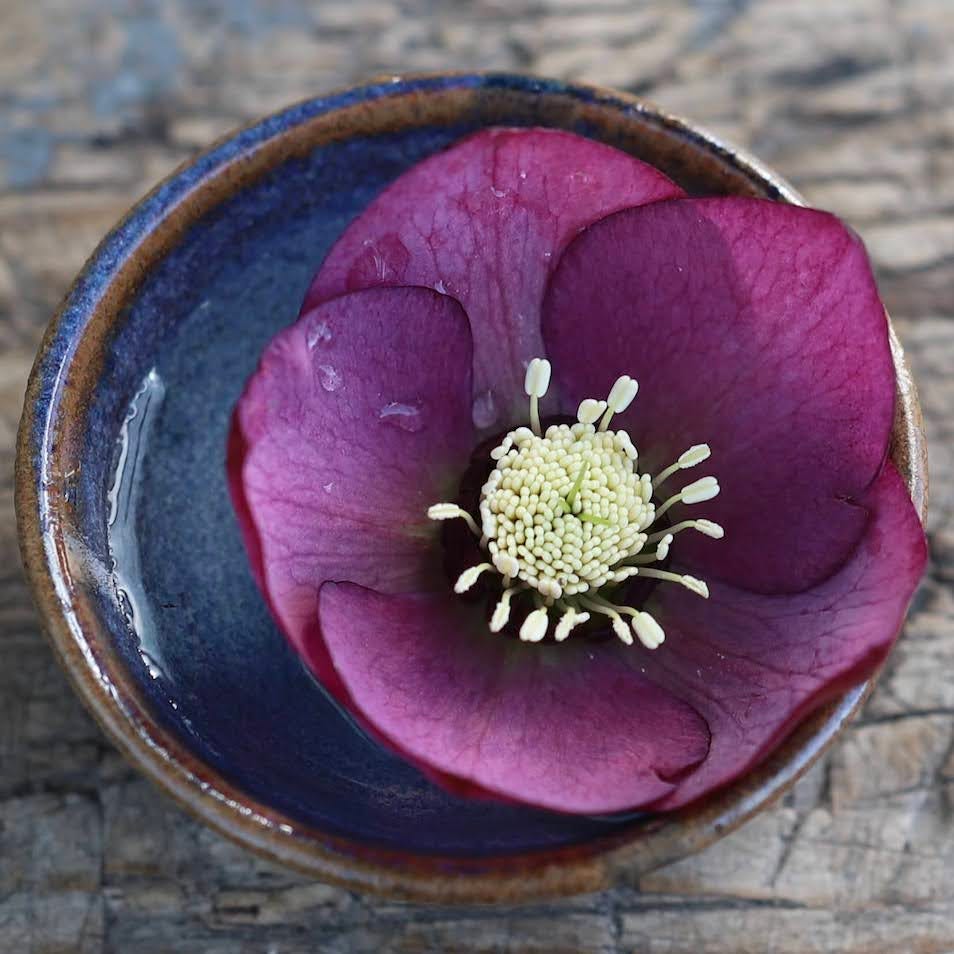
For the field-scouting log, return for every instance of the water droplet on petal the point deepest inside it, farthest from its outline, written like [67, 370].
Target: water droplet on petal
[484, 410]
[523, 173]
[328, 377]
[405, 416]
[318, 334]
[327, 488]
[440, 287]
[499, 193]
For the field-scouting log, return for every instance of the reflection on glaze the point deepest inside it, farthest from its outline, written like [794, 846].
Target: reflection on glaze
[122, 500]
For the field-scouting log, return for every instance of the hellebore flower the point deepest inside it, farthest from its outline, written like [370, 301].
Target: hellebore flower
[578, 634]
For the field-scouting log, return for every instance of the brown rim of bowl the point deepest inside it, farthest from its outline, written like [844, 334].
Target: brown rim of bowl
[83, 646]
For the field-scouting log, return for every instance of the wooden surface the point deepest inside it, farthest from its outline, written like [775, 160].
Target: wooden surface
[850, 99]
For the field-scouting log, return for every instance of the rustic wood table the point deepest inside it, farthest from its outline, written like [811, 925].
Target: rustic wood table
[852, 100]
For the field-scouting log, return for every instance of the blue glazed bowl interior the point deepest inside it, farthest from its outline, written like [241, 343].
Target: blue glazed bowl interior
[187, 617]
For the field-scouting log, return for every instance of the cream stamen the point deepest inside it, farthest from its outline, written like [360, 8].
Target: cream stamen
[697, 492]
[690, 458]
[620, 397]
[650, 633]
[613, 612]
[502, 610]
[535, 384]
[689, 582]
[706, 527]
[535, 626]
[570, 618]
[469, 577]
[590, 411]
[449, 511]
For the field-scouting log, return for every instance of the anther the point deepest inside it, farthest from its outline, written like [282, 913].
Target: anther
[696, 586]
[690, 458]
[537, 379]
[589, 411]
[502, 609]
[700, 490]
[568, 621]
[650, 633]
[620, 397]
[469, 577]
[534, 627]
[697, 492]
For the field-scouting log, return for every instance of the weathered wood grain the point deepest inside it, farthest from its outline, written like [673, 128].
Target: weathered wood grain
[850, 100]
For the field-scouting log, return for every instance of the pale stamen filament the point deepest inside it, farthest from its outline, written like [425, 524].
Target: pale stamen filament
[609, 604]
[640, 560]
[650, 633]
[613, 612]
[690, 458]
[689, 582]
[706, 527]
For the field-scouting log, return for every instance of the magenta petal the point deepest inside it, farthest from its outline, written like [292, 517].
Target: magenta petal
[755, 327]
[569, 727]
[753, 665]
[357, 419]
[485, 221]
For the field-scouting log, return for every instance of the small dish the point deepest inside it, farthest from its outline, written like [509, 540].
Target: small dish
[134, 555]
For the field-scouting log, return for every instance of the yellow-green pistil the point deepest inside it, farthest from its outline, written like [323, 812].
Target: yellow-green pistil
[567, 513]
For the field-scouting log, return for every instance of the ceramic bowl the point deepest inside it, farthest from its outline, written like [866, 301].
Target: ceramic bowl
[134, 555]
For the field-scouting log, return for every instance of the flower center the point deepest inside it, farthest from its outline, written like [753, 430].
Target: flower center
[566, 515]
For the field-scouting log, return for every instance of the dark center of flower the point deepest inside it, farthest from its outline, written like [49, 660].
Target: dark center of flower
[565, 516]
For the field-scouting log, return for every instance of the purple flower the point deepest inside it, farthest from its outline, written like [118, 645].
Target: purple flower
[754, 330]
